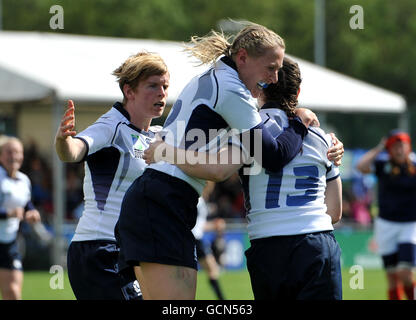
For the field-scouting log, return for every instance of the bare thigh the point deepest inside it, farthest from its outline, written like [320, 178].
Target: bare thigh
[11, 282]
[166, 282]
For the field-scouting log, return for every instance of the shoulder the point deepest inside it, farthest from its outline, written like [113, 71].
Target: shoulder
[105, 126]
[3, 173]
[229, 81]
[23, 177]
[112, 118]
[320, 136]
[155, 129]
[275, 120]
[412, 157]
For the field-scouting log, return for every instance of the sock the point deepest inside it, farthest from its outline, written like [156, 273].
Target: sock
[215, 286]
[395, 293]
[410, 291]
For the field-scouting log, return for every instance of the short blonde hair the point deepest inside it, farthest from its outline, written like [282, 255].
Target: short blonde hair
[139, 67]
[255, 38]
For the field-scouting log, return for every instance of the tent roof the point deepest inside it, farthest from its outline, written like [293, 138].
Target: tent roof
[33, 65]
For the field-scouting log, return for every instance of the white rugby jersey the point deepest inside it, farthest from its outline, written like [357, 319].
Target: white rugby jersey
[291, 201]
[216, 100]
[198, 229]
[112, 163]
[14, 192]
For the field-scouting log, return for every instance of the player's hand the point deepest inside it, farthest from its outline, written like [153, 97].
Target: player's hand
[308, 117]
[67, 125]
[153, 150]
[32, 216]
[336, 152]
[18, 212]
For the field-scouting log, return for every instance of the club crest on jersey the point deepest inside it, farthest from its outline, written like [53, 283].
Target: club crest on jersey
[138, 147]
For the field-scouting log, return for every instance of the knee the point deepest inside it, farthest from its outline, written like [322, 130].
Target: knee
[12, 292]
[405, 275]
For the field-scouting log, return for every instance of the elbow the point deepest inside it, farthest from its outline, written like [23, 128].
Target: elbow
[362, 168]
[219, 176]
[336, 216]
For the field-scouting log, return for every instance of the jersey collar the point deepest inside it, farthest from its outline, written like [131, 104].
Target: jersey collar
[229, 62]
[119, 107]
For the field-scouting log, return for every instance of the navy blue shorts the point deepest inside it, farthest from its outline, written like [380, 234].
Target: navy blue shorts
[9, 256]
[405, 256]
[298, 267]
[157, 215]
[93, 272]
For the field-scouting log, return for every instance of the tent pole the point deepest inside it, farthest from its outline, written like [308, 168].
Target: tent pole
[404, 122]
[59, 196]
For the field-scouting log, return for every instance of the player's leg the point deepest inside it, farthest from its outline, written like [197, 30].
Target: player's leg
[210, 265]
[140, 278]
[314, 272]
[208, 262]
[406, 277]
[406, 262]
[394, 287]
[167, 282]
[11, 282]
[386, 235]
[267, 263]
[93, 271]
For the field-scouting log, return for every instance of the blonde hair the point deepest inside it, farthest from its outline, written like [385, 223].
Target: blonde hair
[4, 140]
[139, 67]
[255, 38]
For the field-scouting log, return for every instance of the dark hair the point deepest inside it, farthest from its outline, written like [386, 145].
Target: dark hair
[285, 91]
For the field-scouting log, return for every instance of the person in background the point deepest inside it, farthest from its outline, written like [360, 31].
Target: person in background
[205, 257]
[112, 150]
[15, 206]
[395, 225]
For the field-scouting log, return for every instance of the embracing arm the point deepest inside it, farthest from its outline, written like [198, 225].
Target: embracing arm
[209, 166]
[68, 148]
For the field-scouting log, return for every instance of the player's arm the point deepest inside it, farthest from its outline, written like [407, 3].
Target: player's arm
[67, 147]
[275, 152]
[272, 153]
[365, 162]
[203, 165]
[333, 199]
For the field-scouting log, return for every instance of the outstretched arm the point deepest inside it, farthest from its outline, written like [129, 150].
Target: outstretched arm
[365, 162]
[68, 148]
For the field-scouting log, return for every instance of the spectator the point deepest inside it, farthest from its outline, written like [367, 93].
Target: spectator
[395, 226]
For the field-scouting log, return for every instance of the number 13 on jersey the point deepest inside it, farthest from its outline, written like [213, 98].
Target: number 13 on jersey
[307, 180]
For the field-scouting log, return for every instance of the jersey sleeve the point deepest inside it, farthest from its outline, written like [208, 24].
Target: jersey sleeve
[97, 136]
[238, 109]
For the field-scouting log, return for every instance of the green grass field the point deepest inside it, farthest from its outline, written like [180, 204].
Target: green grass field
[236, 286]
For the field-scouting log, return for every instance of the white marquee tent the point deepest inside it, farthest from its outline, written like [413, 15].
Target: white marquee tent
[35, 66]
